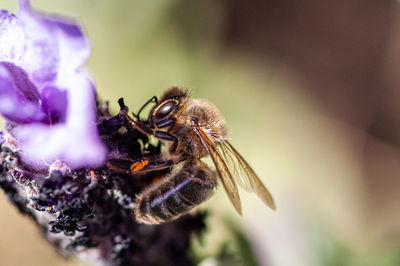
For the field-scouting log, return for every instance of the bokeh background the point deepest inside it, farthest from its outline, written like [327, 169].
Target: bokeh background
[311, 94]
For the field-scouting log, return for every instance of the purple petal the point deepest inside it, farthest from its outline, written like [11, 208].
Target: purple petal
[12, 38]
[42, 84]
[2, 139]
[75, 142]
[18, 97]
[43, 145]
[54, 44]
[22, 82]
[54, 104]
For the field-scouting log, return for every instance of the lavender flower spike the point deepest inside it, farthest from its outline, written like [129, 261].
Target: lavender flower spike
[54, 147]
[49, 104]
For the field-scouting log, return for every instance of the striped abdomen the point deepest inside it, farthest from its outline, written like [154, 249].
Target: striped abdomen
[176, 195]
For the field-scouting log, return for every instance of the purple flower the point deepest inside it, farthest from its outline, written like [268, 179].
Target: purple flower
[54, 125]
[50, 104]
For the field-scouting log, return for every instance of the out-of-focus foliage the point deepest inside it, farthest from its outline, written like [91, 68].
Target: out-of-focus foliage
[224, 244]
[334, 252]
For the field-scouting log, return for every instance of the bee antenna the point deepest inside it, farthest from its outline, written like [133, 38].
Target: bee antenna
[152, 99]
[136, 116]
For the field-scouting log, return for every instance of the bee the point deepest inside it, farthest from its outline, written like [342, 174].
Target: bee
[189, 129]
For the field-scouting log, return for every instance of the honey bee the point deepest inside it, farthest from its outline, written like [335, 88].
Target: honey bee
[190, 129]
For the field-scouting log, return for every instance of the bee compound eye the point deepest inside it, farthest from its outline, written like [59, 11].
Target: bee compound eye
[165, 109]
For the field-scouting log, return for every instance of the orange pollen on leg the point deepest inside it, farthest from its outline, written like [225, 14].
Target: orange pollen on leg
[137, 166]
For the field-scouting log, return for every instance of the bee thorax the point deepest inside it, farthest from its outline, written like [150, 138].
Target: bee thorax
[208, 117]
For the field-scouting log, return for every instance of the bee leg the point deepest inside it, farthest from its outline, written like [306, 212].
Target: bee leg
[168, 136]
[166, 122]
[114, 166]
[138, 125]
[146, 166]
[123, 166]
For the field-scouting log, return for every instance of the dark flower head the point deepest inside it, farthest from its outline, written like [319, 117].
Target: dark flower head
[48, 101]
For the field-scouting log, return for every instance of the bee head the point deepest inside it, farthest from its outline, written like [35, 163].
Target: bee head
[169, 104]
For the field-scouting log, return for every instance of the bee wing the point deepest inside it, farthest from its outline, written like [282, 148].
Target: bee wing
[222, 169]
[233, 164]
[244, 174]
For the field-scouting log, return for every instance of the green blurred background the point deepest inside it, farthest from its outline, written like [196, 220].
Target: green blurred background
[310, 92]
